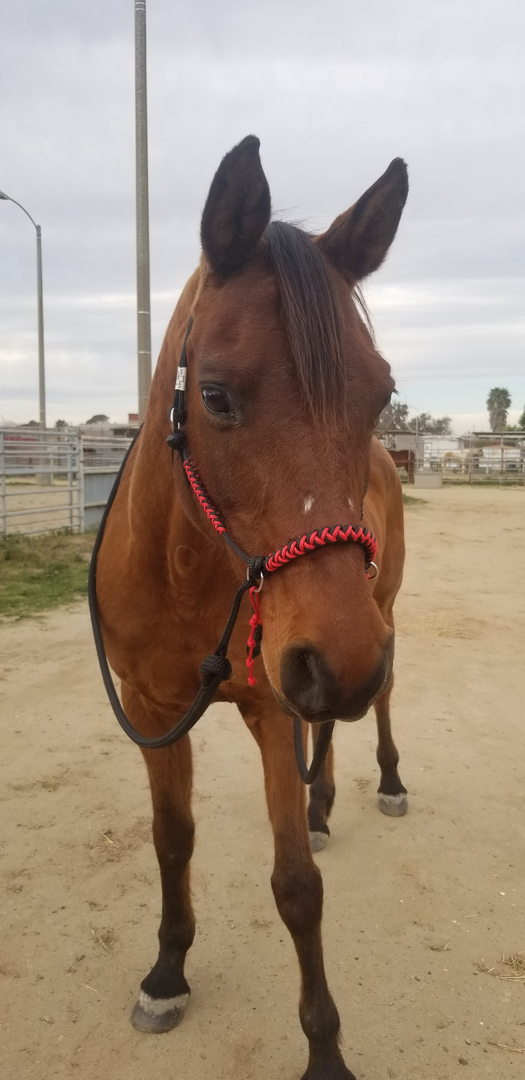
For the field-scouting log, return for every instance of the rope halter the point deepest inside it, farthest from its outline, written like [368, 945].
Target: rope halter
[259, 566]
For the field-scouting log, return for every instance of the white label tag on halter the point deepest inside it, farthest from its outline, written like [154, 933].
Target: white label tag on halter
[180, 383]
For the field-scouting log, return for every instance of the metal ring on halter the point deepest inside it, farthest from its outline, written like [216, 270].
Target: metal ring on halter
[261, 576]
[376, 568]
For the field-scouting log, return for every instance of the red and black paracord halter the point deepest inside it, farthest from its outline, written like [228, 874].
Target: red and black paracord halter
[216, 668]
[260, 567]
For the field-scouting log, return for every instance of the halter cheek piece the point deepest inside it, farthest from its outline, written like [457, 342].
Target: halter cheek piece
[216, 668]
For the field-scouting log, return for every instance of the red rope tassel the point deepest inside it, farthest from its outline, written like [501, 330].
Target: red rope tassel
[251, 643]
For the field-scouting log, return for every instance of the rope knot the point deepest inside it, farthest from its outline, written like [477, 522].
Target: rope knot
[256, 567]
[176, 440]
[215, 665]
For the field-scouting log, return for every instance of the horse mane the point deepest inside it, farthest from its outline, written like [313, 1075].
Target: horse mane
[311, 317]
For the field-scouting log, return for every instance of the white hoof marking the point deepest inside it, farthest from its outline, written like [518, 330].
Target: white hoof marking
[318, 840]
[160, 1006]
[393, 805]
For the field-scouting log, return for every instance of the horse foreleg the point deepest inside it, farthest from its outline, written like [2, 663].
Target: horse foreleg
[298, 891]
[392, 794]
[164, 992]
[322, 795]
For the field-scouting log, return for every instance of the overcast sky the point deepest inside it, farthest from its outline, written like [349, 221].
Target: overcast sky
[334, 89]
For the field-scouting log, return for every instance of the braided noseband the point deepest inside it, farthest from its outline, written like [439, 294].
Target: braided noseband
[331, 534]
[217, 668]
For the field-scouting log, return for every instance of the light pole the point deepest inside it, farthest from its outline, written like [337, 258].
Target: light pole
[143, 280]
[41, 361]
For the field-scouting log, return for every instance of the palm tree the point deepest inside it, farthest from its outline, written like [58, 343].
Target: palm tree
[393, 418]
[498, 405]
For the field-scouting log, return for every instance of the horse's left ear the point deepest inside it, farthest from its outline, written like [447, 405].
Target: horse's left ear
[357, 242]
[237, 210]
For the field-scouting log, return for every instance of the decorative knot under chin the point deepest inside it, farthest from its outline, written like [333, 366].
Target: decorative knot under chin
[216, 665]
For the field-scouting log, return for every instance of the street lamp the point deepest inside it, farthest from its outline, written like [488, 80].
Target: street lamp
[41, 363]
[142, 200]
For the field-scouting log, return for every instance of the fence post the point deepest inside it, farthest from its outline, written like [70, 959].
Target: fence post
[2, 482]
[80, 486]
[70, 486]
[43, 479]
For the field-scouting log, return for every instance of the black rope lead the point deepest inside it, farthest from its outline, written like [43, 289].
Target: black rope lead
[214, 669]
[308, 774]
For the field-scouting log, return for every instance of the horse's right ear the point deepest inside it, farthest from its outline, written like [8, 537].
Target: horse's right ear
[237, 209]
[357, 242]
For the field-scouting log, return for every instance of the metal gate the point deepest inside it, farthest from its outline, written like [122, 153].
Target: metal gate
[100, 458]
[51, 481]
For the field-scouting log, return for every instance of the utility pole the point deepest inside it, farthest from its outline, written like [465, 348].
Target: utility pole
[143, 277]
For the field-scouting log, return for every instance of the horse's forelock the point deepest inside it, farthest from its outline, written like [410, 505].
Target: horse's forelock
[311, 317]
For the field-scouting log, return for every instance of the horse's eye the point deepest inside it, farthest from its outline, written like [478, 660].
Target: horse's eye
[216, 400]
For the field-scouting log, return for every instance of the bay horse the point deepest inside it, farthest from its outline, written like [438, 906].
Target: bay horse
[404, 459]
[284, 388]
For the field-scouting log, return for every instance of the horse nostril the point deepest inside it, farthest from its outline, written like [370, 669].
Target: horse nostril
[308, 674]
[312, 689]
[307, 681]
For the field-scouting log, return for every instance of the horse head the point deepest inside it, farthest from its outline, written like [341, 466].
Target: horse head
[284, 388]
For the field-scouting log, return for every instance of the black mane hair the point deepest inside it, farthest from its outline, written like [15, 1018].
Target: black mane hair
[311, 317]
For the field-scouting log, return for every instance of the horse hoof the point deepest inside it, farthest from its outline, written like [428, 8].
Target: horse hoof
[327, 1070]
[318, 840]
[155, 1015]
[393, 805]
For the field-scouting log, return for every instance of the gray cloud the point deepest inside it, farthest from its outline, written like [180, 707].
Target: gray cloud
[334, 91]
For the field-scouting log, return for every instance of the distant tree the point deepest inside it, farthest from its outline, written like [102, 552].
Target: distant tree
[393, 418]
[430, 425]
[32, 423]
[498, 405]
[61, 425]
[442, 426]
[520, 426]
[99, 418]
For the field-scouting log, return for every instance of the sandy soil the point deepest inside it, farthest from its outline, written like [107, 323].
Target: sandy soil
[36, 509]
[415, 909]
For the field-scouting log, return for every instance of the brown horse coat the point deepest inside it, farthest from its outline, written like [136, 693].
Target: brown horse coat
[284, 388]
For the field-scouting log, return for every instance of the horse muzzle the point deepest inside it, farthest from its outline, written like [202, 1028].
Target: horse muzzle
[311, 690]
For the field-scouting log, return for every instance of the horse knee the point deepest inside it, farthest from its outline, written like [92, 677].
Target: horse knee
[298, 894]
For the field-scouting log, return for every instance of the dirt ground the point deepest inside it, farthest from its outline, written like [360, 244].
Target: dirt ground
[418, 911]
[37, 509]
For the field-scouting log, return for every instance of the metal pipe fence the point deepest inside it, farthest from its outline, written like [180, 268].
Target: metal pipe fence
[476, 458]
[51, 481]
